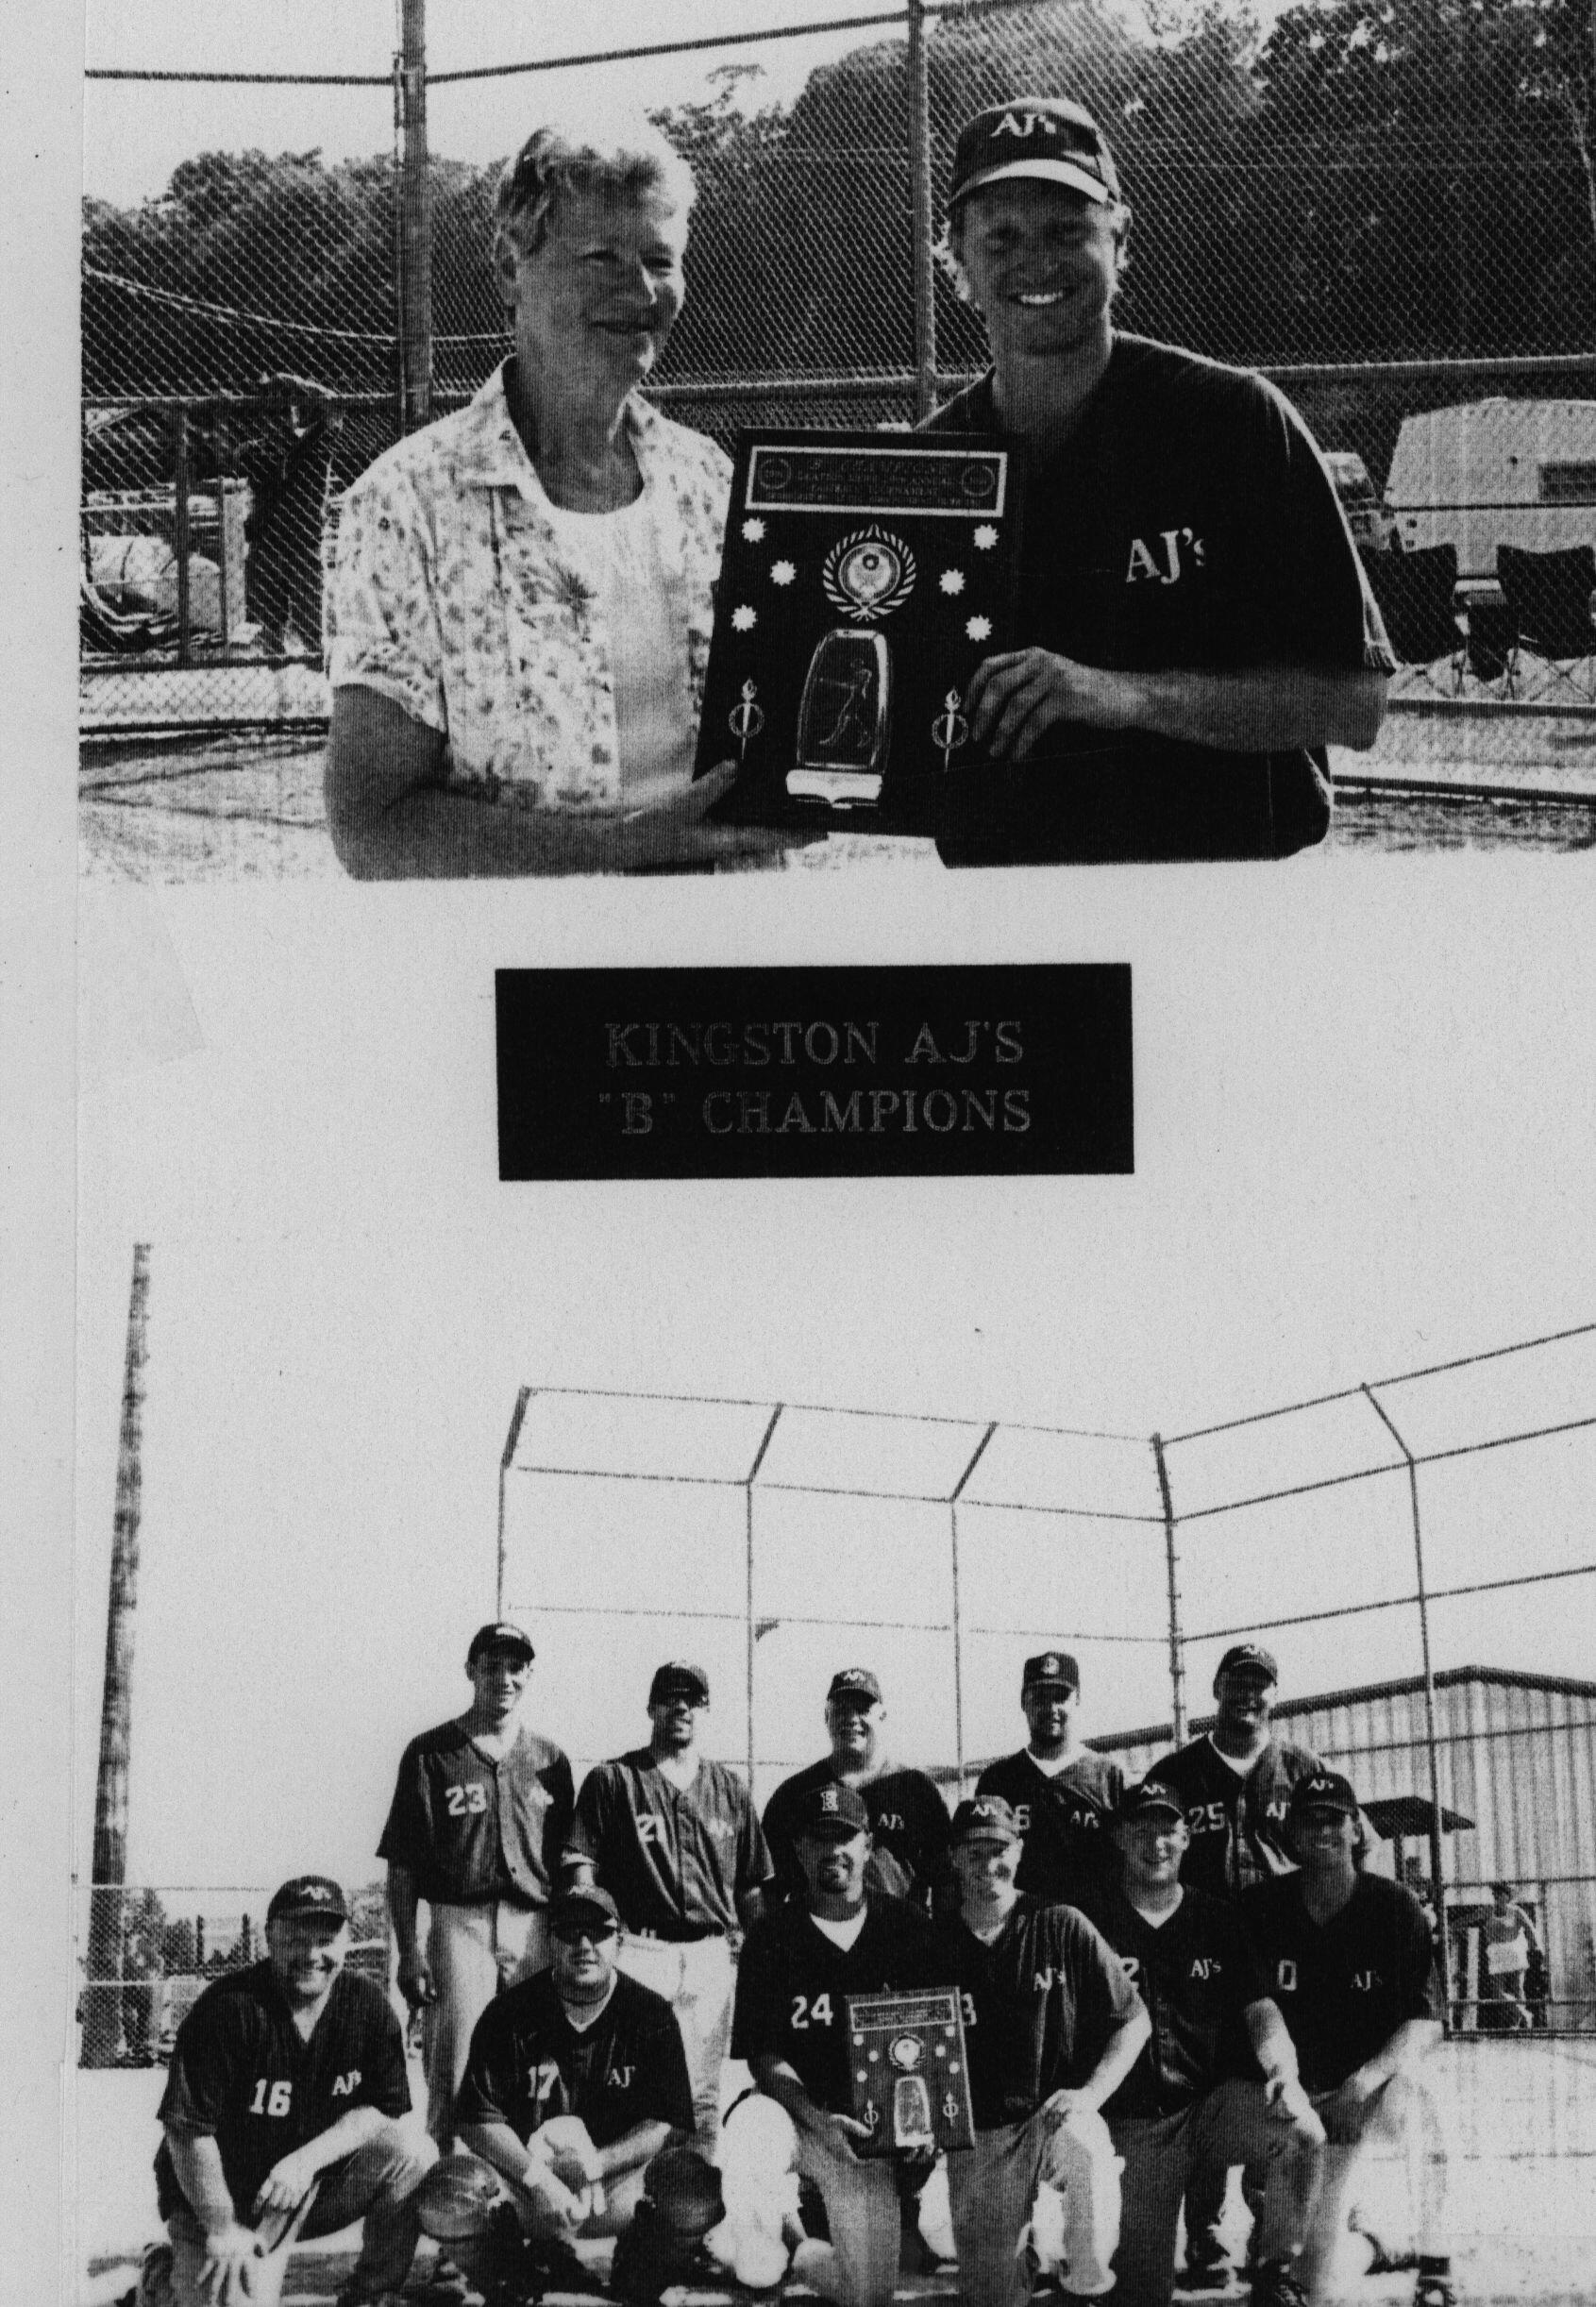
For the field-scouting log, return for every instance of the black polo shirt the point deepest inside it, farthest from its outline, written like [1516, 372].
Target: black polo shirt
[527, 2063]
[243, 2075]
[1065, 1819]
[1197, 1974]
[1344, 1987]
[1188, 522]
[793, 1985]
[1039, 2005]
[908, 1830]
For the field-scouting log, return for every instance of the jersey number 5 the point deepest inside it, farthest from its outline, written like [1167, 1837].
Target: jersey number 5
[807, 2014]
[271, 2099]
[464, 1798]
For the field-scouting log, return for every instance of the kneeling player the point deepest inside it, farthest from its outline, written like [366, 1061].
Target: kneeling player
[1185, 2109]
[799, 1968]
[280, 2120]
[1052, 2026]
[1350, 1961]
[576, 2079]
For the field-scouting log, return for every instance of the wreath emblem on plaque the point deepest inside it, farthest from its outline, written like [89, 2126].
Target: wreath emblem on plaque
[869, 574]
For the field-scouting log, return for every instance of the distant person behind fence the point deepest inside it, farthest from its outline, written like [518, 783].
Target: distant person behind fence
[287, 464]
[1194, 626]
[521, 605]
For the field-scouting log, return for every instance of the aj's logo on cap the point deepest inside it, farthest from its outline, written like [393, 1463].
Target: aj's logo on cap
[828, 1799]
[1049, 1664]
[1026, 124]
[317, 1889]
[985, 1809]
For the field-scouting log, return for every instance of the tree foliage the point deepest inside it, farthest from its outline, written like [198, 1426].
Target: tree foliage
[1375, 179]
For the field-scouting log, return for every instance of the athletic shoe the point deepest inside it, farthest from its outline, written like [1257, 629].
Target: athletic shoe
[358, 2295]
[1435, 2291]
[446, 2286]
[154, 2286]
[1276, 2285]
[1206, 2275]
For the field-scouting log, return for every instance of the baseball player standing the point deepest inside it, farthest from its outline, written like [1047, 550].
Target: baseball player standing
[674, 1839]
[1184, 2109]
[576, 2079]
[1235, 1785]
[1063, 1795]
[287, 2076]
[479, 1813]
[1351, 1965]
[801, 1963]
[1052, 2026]
[908, 1817]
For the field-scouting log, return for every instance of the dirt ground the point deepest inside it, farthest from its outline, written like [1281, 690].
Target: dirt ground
[248, 805]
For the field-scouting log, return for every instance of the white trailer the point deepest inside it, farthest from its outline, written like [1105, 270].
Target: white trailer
[1496, 472]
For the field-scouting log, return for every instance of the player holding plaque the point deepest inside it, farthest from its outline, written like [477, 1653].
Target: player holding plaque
[1052, 2026]
[800, 1966]
[1195, 627]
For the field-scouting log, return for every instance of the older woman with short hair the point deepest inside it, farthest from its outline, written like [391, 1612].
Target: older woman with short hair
[520, 607]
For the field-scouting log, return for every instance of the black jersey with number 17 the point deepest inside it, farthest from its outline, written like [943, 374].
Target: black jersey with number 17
[793, 1985]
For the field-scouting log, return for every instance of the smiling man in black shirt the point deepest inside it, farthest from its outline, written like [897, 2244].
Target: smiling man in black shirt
[798, 1967]
[576, 2079]
[1194, 625]
[1052, 2026]
[1188, 2103]
[1351, 1965]
[286, 2074]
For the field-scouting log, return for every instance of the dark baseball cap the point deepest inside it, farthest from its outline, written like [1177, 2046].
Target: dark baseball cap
[1249, 1659]
[500, 1634]
[856, 1685]
[587, 1904]
[1041, 137]
[1325, 1790]
[1150, 1798]
[676, 1680]
[987, 1818]
[830, 1809]
[1049, 1667]
[309, 1894]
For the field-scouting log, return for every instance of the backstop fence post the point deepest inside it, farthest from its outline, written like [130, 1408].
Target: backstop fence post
[1438, 1873]
[921, 213]
[750, 1630]
[180, 539]
[1172, 1577]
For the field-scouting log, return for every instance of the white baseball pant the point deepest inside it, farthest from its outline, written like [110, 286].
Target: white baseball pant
[995, 2188]
[472, 1953]
[760, 2151]
[697, 1978]
[1403, 2116]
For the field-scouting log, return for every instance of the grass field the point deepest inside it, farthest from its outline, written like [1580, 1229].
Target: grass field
[1520, 2116]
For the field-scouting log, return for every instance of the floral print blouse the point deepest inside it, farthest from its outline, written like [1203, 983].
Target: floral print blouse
[447, 594]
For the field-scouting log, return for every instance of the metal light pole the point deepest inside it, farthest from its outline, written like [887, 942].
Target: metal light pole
[920, 210]
[415, 219]
[108, 1870]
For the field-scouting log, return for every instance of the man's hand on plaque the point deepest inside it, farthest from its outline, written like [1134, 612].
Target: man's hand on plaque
[1015, 697]
[676, 831]
[837, 2133]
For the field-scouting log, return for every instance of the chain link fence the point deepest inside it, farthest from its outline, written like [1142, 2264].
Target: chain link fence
[1390, 206]
[147, 1952]
[1414, 1550]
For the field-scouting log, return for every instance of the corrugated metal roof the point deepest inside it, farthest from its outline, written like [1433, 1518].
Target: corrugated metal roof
[1453, 1677]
